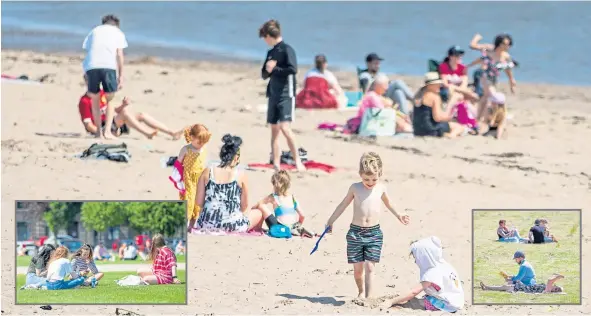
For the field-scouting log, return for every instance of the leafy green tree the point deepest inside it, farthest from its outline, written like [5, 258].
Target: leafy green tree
[59, 215]
[157, 217]
[100, 216]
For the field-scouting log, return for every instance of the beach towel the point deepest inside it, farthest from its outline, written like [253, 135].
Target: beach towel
[310, 165]
[130, 280]
[177, 177]
[113, 152]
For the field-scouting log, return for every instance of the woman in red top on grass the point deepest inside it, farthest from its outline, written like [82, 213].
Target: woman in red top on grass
[164, 264]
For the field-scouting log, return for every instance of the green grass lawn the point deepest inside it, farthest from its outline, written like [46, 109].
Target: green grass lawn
[491, 256]
[25, 260]
[107, 292]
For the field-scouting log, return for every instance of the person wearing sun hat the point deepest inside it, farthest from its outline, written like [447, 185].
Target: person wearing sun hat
[495, 119]
[429, 118]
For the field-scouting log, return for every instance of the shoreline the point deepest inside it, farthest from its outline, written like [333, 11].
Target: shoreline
[203, 57]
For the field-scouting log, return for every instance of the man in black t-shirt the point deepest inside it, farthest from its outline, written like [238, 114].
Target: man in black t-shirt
[536, 233]
[280, 68]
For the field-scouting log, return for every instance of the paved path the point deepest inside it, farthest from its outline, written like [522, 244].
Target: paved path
[114, 267]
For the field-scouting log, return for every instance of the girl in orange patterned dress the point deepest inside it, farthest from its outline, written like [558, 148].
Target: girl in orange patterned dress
[193, 159]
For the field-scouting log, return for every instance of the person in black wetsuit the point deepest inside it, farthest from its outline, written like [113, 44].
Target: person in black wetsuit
[280, 68]
[429, 118]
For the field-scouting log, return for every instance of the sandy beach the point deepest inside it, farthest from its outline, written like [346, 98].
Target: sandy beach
[544, 163]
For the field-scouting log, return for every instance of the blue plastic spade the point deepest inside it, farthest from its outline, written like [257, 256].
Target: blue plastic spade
[319, 239]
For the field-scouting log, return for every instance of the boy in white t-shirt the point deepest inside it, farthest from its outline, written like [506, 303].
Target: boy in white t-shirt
[103, 65]
[439, 280]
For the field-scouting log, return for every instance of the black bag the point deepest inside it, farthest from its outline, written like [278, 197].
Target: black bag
[287, 158]
[113, 152]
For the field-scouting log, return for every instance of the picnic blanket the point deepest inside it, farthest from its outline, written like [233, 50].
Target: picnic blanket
[223, 233]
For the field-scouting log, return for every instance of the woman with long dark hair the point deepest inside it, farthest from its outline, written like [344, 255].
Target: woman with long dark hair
[222, 193]
[37, 271]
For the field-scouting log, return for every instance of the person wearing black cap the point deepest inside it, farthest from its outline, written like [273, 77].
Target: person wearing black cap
[525, 280]
[455, 77]
[398, 91]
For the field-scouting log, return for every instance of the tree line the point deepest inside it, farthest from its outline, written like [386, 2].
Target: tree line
[161, 217]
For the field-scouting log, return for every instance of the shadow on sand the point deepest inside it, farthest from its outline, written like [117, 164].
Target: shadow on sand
[315, 300]
[61, 135]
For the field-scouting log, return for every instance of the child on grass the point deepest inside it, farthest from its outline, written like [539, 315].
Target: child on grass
[82, 261]
[60, 269]
[281, 207]
[364, 239]
[439, 280]
[163, 269]
[190, 164]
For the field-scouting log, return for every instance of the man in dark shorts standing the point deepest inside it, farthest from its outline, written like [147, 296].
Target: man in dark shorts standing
[103, 65]
[536, 233]
[280, 68]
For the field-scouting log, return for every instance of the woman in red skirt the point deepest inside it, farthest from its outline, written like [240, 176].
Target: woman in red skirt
[164, 264]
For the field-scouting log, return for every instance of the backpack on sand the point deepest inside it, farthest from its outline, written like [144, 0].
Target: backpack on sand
[113, 152]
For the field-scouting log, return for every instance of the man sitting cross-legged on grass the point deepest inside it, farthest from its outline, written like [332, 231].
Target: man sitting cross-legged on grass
[124, 117]
[525, 280]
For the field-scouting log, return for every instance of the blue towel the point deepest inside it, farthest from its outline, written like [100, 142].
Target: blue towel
[353, 97]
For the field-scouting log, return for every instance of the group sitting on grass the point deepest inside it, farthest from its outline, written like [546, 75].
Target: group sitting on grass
[525, 280]
[53, 268]
[538, 234]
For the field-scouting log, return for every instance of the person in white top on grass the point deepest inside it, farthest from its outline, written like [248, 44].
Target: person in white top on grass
[103, 65]
[60, 269]
[439, 280]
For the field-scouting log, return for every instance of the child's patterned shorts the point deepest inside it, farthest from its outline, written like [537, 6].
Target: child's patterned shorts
[364, 244]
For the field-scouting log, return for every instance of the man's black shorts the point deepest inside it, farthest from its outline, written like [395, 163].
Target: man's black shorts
[280, 110]
[106, 77]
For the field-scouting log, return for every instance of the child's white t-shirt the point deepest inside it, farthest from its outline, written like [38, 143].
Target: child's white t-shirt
[59, 269]
[101, 46]
[446, 277]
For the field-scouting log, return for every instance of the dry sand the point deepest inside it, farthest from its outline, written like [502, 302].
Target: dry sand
[544, 163]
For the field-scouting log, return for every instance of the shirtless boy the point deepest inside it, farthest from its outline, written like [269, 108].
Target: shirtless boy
[364, 239]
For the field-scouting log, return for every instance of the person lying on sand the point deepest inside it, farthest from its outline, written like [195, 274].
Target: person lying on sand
[281, 207]
[124, 117]
[439, 280]
[525, 280]
[364, 239]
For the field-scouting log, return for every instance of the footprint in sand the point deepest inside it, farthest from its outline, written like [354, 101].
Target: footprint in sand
[382, 301]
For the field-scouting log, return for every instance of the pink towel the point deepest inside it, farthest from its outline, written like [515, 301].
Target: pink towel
[177, 177]
[223, 233]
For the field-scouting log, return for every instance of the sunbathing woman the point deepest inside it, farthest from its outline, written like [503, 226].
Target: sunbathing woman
[281, 207]
[495, 58]
[525, 280]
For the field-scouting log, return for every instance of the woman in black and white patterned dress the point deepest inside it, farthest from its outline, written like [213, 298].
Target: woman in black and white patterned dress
[222, 193]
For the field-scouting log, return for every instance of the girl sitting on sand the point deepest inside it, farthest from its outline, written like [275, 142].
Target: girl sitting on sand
[37, 271]
[364, 239]
[495, 118]
[60, 269]
[82, 262]
[190, 164]
[281, 207]
[439, 280]
[164, 264]
[222, 194]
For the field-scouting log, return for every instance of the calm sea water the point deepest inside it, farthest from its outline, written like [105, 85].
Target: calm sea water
[552, 40]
